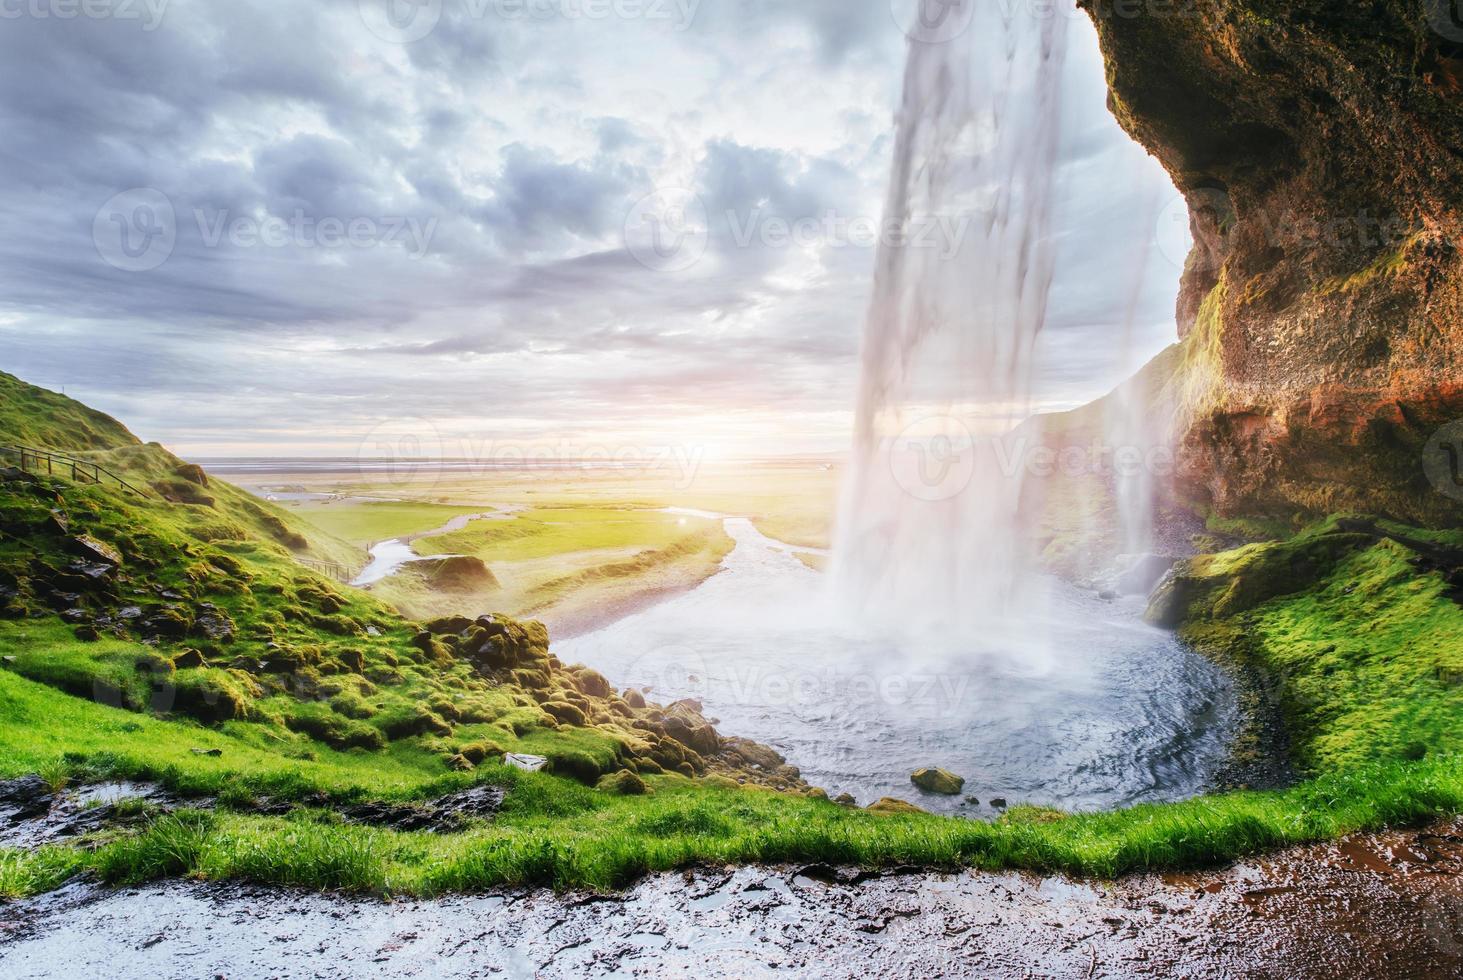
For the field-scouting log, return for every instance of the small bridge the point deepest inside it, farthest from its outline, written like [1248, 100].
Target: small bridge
[59, 464]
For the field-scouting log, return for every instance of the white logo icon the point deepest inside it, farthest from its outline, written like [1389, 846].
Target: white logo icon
[668, 231]
[135, 231]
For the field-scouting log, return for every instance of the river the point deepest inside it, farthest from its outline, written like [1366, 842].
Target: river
[1106, 712]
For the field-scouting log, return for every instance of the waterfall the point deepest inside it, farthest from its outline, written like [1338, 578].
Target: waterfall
[928, 526]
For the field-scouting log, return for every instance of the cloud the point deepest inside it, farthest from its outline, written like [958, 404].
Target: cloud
[516, 149]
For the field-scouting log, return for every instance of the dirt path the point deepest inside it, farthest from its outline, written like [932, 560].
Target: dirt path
[1387, 905]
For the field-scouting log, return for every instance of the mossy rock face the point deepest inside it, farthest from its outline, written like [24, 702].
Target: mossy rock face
[577, 765]
[1320, 149]
[623, 783]
[566, 713]
[890, 805]
[937, 780]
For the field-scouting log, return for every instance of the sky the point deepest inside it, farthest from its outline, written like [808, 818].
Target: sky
[272, 227]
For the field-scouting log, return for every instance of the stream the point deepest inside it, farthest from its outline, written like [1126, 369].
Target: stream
[1106, 712]
[390, 556]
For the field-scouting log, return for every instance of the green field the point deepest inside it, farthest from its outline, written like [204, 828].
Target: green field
[365, 523]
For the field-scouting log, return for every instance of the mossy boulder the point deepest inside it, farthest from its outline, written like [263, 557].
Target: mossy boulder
[623, 783]
[936, 780]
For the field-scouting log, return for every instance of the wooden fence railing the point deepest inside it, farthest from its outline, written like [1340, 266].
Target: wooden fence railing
[343, 574]
[59, 464]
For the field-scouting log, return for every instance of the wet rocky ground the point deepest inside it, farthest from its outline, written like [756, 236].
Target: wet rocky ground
[32, 813]
[1384, 905]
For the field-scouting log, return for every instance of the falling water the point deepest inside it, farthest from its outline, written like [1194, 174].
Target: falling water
[929, 521]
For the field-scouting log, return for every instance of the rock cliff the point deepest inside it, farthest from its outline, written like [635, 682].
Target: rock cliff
[1319, 146]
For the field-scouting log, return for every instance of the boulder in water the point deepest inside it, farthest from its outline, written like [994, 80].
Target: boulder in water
[937, 780]
[1142, 574]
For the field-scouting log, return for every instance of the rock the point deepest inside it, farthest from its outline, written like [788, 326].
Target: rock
[745, 752]
[936, 780]
[565, 713]
[623, 783]
[449, 814]
[89, 548]
[999, 802]
[7, 660]
[448, 626]
[167, 622]
[845, 799]
[214, 753]
[215, 626]
[700, 737]
[591, 682]
[528, 763]
[1328, 360]
[972, 801]
[193, 473]
[634, 699]
[372, 631]
[684, 722]
[1107, 595]
[1143, 574]
[189, 659]
[26, 798]
[889, 804]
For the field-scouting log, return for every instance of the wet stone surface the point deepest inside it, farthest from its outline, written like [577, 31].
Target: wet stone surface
[1388, 905]
[31, 815]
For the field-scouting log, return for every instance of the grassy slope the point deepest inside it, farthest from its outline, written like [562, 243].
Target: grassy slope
[40, 419]
[1347, 629]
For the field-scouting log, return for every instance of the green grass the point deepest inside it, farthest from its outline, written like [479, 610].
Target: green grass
[550, 532]
[1347, 629]
[364, 523]
[555, 831]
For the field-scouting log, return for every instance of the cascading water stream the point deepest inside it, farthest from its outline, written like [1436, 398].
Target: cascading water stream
[929, 522]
